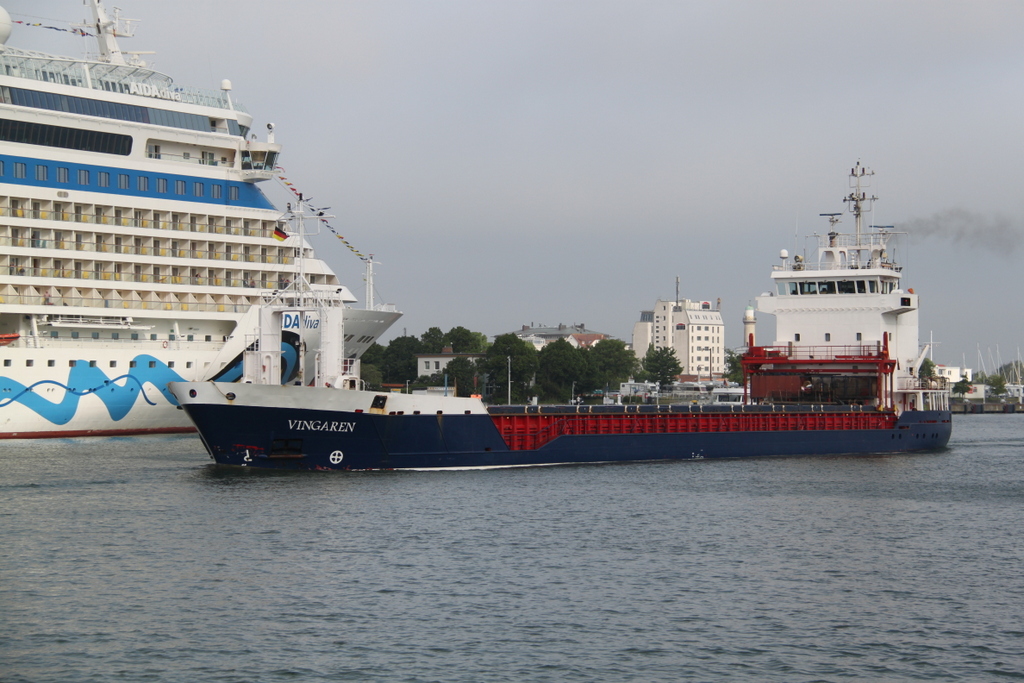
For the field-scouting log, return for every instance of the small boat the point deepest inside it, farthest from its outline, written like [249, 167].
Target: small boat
[6, 339]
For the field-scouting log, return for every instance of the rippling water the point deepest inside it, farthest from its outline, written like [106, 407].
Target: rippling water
[134, 559]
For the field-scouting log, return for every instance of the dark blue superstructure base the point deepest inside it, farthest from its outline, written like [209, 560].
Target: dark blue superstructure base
[262, 437]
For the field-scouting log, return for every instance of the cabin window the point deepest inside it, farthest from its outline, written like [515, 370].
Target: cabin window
[859, 336]
[828, 336]
[873, 286]
[19, 169]
[796, 337]
[143, 183]
[63, 174]
[826, 288]
[808, 287]
[846, 287]
[123, 181]
[103, 179]
[83, 176]
[861, 287]
[41, 172]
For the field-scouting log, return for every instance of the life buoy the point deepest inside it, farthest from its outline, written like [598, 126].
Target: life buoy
[165, 345]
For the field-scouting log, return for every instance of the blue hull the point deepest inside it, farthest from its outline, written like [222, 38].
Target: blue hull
[264, 437]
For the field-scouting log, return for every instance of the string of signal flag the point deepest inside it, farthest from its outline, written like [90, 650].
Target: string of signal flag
[291, 187]
[76, 31]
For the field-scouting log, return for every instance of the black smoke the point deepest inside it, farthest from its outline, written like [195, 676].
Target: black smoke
[973, 230]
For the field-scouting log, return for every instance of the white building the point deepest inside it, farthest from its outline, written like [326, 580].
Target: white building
[432, 363]
[954, 373]
[692, 328]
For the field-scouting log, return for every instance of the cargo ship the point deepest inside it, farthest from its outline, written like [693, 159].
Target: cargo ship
[841, 378]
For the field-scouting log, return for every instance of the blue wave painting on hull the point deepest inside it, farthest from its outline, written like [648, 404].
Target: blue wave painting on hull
[84, 380]
[120, 393]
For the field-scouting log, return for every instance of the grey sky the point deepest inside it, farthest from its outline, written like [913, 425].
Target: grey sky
[563, 161]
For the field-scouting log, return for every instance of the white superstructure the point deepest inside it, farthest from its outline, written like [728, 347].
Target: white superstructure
[848, 296]
[134, 241]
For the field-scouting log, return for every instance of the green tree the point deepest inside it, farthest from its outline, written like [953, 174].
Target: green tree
[463, 376]
[733, 366]
[611, 364]
[399, 364]
[373, 355]
[962, 387]
[371, 365]
[372, 375]
[466, 341]
[432, 340]
[524, 367]
[662, 365]
[927, 369]
[996, 383]
[559, 365]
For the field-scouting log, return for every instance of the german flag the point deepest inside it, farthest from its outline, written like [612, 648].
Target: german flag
[279, 234]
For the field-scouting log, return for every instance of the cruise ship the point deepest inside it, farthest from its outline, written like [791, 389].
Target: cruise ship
[136, 245]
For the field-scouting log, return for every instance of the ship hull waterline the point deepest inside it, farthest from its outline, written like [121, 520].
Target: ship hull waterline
[304, 439]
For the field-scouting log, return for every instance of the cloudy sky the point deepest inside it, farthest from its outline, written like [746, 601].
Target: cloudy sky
[525, 161]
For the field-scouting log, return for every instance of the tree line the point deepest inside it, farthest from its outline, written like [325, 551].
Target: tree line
[512, 368]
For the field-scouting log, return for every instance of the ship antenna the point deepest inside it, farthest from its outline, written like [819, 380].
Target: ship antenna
[297, 213]
[108, 31]
[369, 281]
[859, 176]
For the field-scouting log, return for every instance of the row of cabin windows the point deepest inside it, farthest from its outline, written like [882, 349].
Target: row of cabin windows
[114, 110]
[55, 334]
[92, 364]
[84, 178]
[836, 287]
[828, 337]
